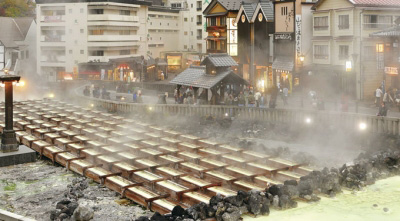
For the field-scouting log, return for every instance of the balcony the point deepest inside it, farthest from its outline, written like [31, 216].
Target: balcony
[199, 23]
[199, 38]
[107, 58]
[113, 38]
[216, 51]
[216, 28]
[53, 61]
[374, 26]
[59, 38]
[199, 9]
[106, 17]
[53, 18]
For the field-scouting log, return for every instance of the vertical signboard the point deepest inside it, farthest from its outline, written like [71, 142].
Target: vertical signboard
[298, 36]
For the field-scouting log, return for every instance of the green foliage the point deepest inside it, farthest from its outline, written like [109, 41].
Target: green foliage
[10, 186]
[17, 8]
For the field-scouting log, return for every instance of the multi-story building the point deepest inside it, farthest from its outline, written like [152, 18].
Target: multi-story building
[255, 22]
[345, 57]
[389, 40]
[71, 32]
[18, 45]
[221, 26]
[293, 23]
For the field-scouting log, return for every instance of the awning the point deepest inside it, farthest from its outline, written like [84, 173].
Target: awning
[283, 63]
[389, 32]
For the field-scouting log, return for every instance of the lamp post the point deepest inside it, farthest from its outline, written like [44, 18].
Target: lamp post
[301, 62]
[8, 139]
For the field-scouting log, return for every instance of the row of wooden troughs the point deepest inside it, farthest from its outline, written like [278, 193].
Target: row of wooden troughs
[150, 165]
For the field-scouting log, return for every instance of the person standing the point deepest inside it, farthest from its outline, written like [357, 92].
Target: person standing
[387, 99]
[257, 96]
[378, 96]
[285, 95]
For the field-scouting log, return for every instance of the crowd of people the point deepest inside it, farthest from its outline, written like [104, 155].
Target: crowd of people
[385, 99]
[245, 97]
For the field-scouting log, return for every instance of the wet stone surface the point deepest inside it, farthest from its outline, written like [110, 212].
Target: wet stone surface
[40, 190]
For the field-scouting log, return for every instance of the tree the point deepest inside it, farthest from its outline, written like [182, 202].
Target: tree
[17, 8]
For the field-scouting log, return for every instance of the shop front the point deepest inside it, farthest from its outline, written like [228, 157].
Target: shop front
[174, 61]
[93, 70]
[283, 72]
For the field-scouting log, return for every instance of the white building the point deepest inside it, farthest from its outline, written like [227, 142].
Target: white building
[18, 45]
[70, 33]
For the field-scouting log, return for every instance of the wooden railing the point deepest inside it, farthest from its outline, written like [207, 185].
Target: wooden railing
[331, 119]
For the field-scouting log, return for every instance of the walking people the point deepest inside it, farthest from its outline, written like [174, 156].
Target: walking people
[387, 99]
[378, 96]
[383, 110]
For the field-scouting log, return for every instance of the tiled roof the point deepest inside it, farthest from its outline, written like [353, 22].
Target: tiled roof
[389, 32]
[376, 2]
[268, 8]
[196, 76]
[249, 9]
[283, 63]
[231, 5]
[220, 60]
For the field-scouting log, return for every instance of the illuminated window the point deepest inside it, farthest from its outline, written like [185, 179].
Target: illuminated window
[380, 48]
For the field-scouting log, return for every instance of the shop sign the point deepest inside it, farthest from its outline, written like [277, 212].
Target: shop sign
[392, 70]
[283, 36]
[298, 35]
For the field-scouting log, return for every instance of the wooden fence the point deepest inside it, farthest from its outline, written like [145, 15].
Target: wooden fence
[338, 120]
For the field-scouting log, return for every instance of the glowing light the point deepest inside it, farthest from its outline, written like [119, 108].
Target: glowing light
[22, 83]
[150, 108]
[14, 83]
[308, 120]
[226, 114]
[122, 98]
[92, 105]
[51, 95]
[2, 85]
[362, 126]
[348, 66]
[301, 58]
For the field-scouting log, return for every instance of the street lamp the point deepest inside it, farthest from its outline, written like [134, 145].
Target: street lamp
[8, 139]
[301, 58]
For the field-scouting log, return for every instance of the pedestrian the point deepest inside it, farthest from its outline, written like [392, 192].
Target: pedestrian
[134, 98]
[251, 99]
[257, 97]
[242, 101]
[387, 99]
[285, 94]
[378, 96]
[383, 110]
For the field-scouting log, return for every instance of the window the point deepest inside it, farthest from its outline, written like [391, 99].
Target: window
[125, 12]
[321, 52]
[82, 51]
[185, 33]
[321, 23]
[96, 32]
[213, 21]
[191, 5]
[343, 52]
[377, 21]
[222, 21]
[81, 31]
[124, 32]
[369, 53]
[124, 52]
[185, 19]
[176, 5]
[97, 11]
[27, 54]
[97, 53]
[191, 19]
[212, 45]
[199, 18]
[284, 11]
[191, 33]
[185, 47]
[344, 22]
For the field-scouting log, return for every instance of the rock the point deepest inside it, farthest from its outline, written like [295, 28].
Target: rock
[285, 202]
[178, 211]
[276, 190]
[304, 188]
[143, 218]
[233, 216]
[292, 191]
[210, 211]
[71, 208]
[83, 213]
[232, 200]
[275, 201]
[216, 199]
[192, 213]
[63, 216]
[315, 198]
[290, 182]
[243, 209]
[254, 205]
[307, 197]
[264, 210]
[220, 211]
[158, 217]
[54, 214]
[242, 197]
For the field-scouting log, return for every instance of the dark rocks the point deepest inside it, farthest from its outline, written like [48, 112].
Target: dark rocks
[178, 211]
[276, 190]
[286, 203]
[158, 217]
[232, 214]
[143, 218]
[290, 182]
[216, 199]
